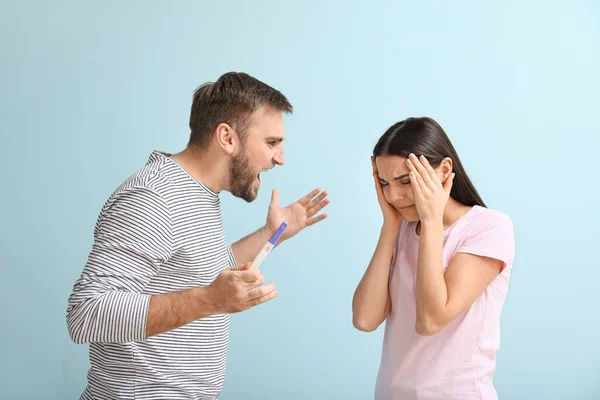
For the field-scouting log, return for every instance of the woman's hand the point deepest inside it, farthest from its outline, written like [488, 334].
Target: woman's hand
[431, 194]
[391, 216]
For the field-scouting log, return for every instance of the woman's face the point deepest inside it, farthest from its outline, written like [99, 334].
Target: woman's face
[397, 189]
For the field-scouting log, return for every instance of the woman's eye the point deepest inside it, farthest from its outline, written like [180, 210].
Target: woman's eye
[405, 183]
[384, 183]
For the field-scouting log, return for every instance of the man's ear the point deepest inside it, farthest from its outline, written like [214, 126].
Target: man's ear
[226, 138]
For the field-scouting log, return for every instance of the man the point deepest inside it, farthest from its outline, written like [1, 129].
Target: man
[160, 282]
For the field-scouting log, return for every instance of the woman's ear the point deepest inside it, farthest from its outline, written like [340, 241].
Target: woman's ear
[446, 168]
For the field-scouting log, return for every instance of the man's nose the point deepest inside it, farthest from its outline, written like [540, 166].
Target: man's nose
[278, 157]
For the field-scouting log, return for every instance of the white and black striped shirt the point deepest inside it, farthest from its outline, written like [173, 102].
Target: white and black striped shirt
[160, 231]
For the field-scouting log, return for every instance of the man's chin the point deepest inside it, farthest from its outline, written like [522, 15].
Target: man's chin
[252, 194]
[250, 199]
[248, 196]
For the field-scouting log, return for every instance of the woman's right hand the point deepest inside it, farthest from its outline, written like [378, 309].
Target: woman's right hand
[391, 216]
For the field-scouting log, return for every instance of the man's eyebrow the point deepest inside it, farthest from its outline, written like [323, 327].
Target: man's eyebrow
[274, 139]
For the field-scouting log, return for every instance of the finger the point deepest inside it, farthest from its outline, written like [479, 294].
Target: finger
[250, 276]
[304, 200]
[373, 164]
[375, 170]
[378, 186]
[247, 274]
[315, 209]
[258, 282]
[261, 291]
[416, 181]
[274, 197]
[430, 171]
[418, 167]
[412, 169]
[420, 170]
[316, 219]
[317, 199]
[264, 299]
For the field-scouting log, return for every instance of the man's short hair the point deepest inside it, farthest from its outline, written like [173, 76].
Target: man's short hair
[231, 99]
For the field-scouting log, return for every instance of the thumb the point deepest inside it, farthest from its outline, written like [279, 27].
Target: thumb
[274, 197]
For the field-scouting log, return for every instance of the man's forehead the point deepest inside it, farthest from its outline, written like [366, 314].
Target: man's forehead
[268, 123]
[263, 133]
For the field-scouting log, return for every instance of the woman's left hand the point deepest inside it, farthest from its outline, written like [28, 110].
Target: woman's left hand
[431, 195]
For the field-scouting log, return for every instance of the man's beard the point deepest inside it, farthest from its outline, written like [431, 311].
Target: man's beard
[242, 178]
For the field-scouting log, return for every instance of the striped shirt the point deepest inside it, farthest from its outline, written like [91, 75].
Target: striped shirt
[160, 231]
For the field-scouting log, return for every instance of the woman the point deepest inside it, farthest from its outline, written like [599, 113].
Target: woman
[439, 274]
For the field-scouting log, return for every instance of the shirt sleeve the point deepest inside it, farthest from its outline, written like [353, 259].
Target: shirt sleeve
[491, 236]
[231, 256]
[133, 237]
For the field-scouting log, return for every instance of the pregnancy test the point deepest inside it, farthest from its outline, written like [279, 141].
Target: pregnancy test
[264, 252]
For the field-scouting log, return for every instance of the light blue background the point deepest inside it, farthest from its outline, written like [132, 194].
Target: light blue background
[89, 89]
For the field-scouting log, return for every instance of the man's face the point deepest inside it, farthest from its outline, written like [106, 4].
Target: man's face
[260, 150]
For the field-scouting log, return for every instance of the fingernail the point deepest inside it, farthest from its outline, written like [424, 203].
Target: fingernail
[408, 162]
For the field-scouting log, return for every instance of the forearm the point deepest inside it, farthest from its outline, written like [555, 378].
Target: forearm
[245, 249]
[172, 310]
[118, 317]
[371, 302]
[431, 290]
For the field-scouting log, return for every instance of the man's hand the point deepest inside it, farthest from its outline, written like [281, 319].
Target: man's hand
[238, 288]
[298, 215]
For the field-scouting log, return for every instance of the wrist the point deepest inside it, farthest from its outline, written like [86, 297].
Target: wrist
[391, 228]
[205, 302]
[432, 223]
[266, 232]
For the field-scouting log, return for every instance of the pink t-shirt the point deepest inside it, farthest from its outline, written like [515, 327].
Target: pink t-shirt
[457, 363]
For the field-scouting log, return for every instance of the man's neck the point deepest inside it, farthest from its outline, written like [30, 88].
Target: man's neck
[206, 167]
